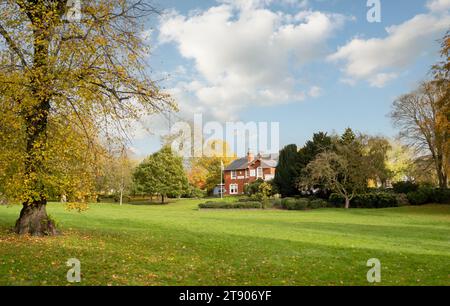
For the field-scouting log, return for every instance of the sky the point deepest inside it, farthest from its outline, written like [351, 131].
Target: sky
[311, 65]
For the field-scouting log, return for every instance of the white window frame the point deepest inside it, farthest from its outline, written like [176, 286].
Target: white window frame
[234, 189]
[252, 172]
[259, 172]
[233, 174]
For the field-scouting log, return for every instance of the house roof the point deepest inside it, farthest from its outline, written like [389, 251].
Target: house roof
[267, 161]
[238, 164]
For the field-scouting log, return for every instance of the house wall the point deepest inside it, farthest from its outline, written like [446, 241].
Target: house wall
[243, 177]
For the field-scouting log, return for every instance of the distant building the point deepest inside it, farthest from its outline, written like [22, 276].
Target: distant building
[246, 170]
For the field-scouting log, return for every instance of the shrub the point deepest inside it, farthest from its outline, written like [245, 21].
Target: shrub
[418, 197]
[422, 196]
[405, 187]
[194, 193]
[253, 188]
[318, 203]
[294, 204]
[367, 200]
[402, 199]
[227, 205]
[276, 203]
[336, 200]
[427, 195]
[375, 200]
[441, 196]
[302, 203]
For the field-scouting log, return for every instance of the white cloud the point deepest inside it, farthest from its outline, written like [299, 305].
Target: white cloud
[315, 92]
[246, 54]
[438, 5]
[380, 79]
[378, 60]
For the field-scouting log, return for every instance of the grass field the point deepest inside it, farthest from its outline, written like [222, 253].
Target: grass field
[177, 244]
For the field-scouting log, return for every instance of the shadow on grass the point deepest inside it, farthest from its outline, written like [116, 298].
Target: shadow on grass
[182, 257]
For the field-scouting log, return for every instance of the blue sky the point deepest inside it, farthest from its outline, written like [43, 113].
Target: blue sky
[311, 65]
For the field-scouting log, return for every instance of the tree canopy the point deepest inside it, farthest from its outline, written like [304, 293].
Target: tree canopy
[162, 173]
[68, 88]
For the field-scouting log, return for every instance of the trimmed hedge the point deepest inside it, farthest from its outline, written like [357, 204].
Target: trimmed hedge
[229, 205]
[405, 187]
[302, 204]
[367, 200]
[426, 195]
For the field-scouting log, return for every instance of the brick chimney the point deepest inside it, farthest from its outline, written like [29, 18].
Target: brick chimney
[250, 156]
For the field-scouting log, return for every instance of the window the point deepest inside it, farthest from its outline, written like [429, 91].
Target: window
[260, 173]
[233, 175]
[234, 189]
[252, 172]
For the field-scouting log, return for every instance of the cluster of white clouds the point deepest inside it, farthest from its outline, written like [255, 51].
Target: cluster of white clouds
[379, 60]
[245, 54]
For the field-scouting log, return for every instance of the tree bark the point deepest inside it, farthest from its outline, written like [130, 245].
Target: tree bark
[33, 217]
[347, 203]
[33, 220]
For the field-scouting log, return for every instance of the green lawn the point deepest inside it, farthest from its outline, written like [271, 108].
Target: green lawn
[177, 244]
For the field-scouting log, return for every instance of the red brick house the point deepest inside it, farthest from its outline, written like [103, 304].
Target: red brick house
[247, 170]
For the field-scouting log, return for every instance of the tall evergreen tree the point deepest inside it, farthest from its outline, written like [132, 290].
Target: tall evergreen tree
[287, 171]
[348, 137]
[321, 142]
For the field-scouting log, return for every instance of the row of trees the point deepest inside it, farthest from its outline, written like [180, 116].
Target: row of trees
[347, 164]
[343, 164]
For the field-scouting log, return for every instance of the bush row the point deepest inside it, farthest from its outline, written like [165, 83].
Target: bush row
[368, 200]
[425, 195]
[299, 203]
[229, 205]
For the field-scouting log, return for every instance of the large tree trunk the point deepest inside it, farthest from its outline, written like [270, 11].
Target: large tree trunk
[34, 220]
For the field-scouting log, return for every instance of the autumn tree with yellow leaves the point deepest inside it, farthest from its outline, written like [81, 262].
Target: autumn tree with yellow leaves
[67, 88]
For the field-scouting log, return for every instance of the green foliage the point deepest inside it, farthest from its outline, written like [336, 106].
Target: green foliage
[375, 200]
[162, 173]
[321, 142]
[229, 205]
[405, 187]
[348, 138]
[288, 170]
[402, 199]
[367, 200]
[194, 192]
[419, 197]
[253, 188]
[302, 204]
[376, 151]
[426, 195]
[441, 196]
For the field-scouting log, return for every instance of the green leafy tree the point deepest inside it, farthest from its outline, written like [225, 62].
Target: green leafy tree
[287, 171]
[343, 170]
[162, 173]
[377, 150]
